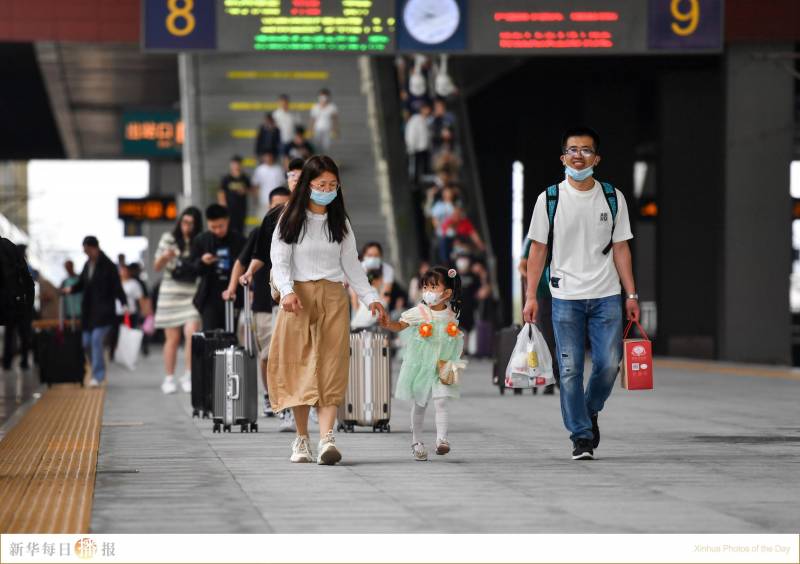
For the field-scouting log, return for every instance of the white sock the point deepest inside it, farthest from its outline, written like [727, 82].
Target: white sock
[441, 418]
[417, 422]
[170, 377]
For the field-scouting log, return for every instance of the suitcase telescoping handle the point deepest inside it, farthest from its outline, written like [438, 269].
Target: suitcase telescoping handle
[230, 326]
[248, 321]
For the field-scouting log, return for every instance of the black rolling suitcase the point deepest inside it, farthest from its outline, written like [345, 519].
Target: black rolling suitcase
[204, 346]
[59, 350]
[505, 340]
[234, 391]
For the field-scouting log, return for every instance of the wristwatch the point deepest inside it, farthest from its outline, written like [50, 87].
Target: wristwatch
[632, 297]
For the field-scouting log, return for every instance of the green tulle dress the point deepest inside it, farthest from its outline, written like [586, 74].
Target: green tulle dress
[419, 374]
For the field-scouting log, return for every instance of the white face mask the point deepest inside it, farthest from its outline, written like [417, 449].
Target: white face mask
[371, 263]
[431, 298]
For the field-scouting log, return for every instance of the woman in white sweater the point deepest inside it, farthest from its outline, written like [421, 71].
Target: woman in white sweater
[313, 252]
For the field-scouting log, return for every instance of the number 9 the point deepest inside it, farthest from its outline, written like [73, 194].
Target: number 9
[692, 17]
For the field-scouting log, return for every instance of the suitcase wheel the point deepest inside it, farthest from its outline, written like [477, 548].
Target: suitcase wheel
[533, 390]
[226, 428]
[517, 391]
[254, 427]
[216, 428]
[243, 428]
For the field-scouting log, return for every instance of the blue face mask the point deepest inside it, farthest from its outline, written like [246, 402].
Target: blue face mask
[579, 175]
[323, 198]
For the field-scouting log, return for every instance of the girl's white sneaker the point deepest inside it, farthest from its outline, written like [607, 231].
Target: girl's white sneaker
[419, 452]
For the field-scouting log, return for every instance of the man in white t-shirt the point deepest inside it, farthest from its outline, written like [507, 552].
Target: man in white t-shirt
[285, 120]
[268, 176]
[589, 260]
[324, 121]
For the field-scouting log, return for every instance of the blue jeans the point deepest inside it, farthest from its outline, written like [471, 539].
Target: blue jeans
[93, 345]
[571, 318]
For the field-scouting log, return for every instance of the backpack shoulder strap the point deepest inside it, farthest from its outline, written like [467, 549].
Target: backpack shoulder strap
[611, 199]
[551, 195]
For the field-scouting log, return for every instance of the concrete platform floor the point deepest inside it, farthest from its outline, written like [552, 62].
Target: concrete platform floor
[708, 450]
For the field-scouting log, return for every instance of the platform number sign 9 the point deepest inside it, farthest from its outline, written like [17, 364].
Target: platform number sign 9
[686, 18]
[179, 24]
[685, 25]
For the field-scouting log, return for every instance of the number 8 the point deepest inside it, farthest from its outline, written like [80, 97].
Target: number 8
[692, 17]
[184, 13]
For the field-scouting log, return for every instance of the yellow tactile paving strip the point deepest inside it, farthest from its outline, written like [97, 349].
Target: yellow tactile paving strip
[753, 371]
[48, 461]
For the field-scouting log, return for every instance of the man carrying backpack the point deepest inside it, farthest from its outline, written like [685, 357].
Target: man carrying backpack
[580, 231]
[16, 300]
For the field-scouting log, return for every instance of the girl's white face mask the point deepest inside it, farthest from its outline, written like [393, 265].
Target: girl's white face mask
[432, 298]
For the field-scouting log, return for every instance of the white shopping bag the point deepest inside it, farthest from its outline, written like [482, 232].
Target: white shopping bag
[530, 365]
[128, 346]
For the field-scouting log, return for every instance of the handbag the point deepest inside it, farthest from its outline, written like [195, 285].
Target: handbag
[184, 271]
[450, 371]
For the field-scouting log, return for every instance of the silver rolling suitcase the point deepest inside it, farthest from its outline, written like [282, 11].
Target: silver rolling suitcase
[368, 399]
[235, 381]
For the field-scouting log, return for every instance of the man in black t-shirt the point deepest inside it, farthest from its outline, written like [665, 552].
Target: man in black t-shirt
[263, 303]
[233, 192]
[213, 253]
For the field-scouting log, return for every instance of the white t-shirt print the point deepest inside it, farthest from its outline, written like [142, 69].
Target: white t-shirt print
[582, 230]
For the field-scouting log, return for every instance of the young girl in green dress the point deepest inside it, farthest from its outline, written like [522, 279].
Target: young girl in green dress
[432, 360]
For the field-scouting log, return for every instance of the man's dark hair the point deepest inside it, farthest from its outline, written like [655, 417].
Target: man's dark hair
[216, 211]
[279, 191]
[296, 164]
[325, 92]
[283, 97]
[236, 159]
[580, 131]
[269, 116]
[91, 241]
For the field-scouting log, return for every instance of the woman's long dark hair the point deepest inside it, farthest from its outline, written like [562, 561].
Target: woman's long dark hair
[293, 220]
[177, 233]
[441, 274]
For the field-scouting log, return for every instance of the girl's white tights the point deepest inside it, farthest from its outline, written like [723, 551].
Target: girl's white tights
[418, 419]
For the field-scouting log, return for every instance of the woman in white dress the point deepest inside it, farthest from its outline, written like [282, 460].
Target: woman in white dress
[175, 312]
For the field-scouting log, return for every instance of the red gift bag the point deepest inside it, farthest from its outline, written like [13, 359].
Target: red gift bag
[637, 361]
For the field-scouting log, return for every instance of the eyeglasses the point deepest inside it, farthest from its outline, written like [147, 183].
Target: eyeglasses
[584, 152]
[326, 186]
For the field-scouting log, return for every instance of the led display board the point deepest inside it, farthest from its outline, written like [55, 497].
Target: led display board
[480, 27]
[152, 133]
[146, 209]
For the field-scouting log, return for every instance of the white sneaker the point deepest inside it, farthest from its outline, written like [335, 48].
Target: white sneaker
[313, 415]
[419, 452]
[287, 422]
[328, 453]
[93, 383]
[442, 446]
[168, 386]
[301, 452]
[186, 383]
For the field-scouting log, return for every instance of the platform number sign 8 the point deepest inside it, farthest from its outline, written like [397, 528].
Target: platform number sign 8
[179, 24]
[685, 24]
[180, 21]
[686, 21]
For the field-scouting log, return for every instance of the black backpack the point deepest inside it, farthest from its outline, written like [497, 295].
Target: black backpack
[16, 284]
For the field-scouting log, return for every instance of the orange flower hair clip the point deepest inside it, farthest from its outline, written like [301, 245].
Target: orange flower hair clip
[425, 330]
[452, 329]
